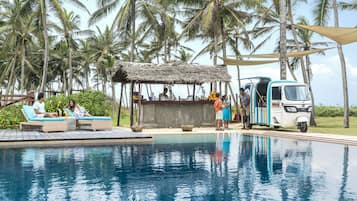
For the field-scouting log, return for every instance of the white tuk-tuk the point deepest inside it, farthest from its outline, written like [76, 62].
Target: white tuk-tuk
[279, 103]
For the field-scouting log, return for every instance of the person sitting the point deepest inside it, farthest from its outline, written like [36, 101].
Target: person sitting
[39, 107]
[77, 110]
[163, 95]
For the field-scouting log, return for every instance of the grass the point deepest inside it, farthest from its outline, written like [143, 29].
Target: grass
[334, 125]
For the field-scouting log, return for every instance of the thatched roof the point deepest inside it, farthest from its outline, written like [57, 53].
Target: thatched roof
[171, 73]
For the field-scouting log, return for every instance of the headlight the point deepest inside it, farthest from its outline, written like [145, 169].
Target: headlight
[290, 109]
[310, 109]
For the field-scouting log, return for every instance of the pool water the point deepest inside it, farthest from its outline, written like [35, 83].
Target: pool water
[183, 167]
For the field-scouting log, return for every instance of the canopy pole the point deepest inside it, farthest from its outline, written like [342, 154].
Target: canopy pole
[139, 105]
[194, 91]
[120, 102]
[131, 104]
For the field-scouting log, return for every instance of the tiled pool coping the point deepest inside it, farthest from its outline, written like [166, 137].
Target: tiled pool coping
[15, 138]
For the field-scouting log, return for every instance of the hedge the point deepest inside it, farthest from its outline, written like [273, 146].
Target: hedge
[95, 102]
[333, 111]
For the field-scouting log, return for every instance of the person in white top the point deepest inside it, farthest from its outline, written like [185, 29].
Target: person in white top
[39, 107]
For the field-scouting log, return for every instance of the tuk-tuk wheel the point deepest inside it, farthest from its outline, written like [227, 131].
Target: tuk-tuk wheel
[303, 127]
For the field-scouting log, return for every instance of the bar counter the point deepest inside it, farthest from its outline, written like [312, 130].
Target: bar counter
[174, 114]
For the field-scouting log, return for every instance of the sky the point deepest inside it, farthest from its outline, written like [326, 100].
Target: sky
[327, 79]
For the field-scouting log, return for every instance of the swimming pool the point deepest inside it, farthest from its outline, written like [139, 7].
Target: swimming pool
[183, 167]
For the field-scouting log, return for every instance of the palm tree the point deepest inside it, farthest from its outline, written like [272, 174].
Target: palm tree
[105, 48]
[41, 9]
[19, 28]
[125, 19]
[283, 61]
[321, 12]
[69, 28]
[86, 60]
[349, 5]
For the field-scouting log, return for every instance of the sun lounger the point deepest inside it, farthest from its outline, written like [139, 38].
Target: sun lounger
[93, 122]
[45, 124]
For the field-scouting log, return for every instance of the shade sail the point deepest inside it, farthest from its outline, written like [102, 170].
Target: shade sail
[228, 61]
[340, 35]
[289, 54]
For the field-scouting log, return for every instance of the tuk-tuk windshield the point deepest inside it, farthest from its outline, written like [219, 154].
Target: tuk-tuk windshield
[297, 93]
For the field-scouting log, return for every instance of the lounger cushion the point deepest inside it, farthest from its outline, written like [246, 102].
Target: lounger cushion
[29, 112]
[96, 118]
[47, 119]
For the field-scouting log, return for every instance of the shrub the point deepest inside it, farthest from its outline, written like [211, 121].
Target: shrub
[95, 102]
[11, 116]
[333, 111]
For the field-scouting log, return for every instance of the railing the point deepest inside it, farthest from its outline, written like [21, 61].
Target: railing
[7, 100]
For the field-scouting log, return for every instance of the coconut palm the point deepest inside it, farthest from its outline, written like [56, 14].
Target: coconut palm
[349, 5]
[321, 12]
[41, 8]
[105, 48]
[69, 28]
[124, 20]
[18, 27]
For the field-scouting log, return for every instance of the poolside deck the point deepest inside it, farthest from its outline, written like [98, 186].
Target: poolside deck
[16, 138]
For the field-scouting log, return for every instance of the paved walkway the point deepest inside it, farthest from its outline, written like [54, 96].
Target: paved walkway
[9, 138]
[15, 138]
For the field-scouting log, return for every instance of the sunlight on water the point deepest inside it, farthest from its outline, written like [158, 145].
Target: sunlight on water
[183, 167]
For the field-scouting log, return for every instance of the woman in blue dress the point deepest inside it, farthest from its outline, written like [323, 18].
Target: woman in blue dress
[226, 111]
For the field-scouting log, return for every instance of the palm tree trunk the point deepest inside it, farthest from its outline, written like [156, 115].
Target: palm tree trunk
[45, 39]
[87, 77]
[132, 58]
[70, 83]
[22, 81]
[346, 122]
[282, 8]
[215, 57]
[224, 51]
[238, 69]
[113, 98]
[312, 118]
[293, 30]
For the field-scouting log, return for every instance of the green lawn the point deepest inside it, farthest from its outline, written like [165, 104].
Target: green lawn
[334, 125]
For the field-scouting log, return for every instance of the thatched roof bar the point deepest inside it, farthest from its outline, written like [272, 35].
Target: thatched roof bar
[170, 73]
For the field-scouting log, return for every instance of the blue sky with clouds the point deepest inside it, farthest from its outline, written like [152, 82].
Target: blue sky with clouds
[327, 82]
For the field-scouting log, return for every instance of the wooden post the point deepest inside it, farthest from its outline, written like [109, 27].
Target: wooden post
[120, 101]
[220, 87]
[131, 104]
[194, 92]
[230, 106]
[226, 88]
[139, 105]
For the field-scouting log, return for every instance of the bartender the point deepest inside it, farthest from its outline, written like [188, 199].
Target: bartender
[163, 96]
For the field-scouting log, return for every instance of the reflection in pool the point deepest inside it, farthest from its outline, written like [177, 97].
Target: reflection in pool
[183, 167]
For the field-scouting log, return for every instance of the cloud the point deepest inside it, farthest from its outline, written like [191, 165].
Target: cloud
[353, 71]
[321, 69]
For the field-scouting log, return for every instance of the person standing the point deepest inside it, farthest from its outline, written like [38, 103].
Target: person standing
[39, 107]
[218, 109]
[245, 105]
[226, 111]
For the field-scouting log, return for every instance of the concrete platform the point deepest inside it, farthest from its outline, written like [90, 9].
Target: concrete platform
[235, 128]
[17, 138]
